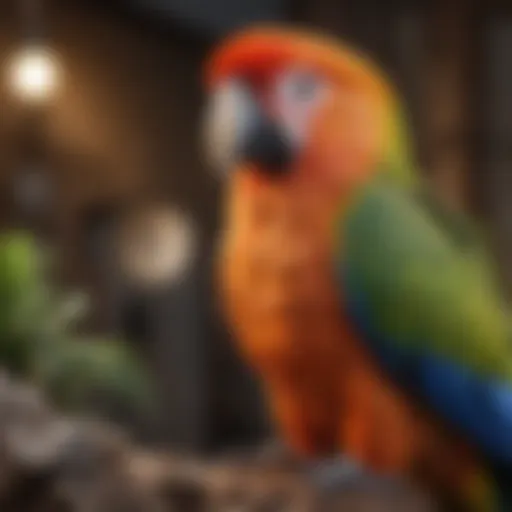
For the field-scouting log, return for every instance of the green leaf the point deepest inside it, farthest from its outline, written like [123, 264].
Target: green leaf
[39, 339]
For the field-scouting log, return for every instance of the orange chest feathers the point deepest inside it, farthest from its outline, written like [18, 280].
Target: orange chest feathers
[277, 287]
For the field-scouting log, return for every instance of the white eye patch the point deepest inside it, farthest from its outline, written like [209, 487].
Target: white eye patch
[296, 97]
[228, 115]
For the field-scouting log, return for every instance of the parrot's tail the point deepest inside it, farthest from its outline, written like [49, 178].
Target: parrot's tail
[487, 489]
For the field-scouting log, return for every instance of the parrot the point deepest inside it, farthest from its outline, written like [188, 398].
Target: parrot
[370, 310]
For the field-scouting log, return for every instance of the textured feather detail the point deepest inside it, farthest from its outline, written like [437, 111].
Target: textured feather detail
[431, 315]
[418, 284]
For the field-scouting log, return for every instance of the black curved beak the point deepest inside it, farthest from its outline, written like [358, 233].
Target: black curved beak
[265, 145]
[239, 131]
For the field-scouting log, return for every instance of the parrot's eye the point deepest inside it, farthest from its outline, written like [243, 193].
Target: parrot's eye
[297, 95]
[305, 88]
[300, 87]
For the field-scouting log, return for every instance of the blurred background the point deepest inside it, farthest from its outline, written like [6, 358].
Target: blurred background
[100, 159]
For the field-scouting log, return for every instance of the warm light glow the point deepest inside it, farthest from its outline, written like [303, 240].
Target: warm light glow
[156, 246]
[34, 74]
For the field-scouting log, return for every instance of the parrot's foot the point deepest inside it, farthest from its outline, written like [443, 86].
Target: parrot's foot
[334, 474]
[344, 474]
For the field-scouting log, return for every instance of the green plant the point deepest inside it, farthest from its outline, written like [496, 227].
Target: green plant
[40, 339]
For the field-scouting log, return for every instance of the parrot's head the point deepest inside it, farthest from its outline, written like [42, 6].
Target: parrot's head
[284, 104]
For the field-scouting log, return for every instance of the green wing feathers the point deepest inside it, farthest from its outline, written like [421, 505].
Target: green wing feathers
[425, 292]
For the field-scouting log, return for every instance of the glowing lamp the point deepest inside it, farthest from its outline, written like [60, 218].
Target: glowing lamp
[34, 74]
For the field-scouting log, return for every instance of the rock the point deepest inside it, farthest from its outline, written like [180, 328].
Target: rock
[52, 463]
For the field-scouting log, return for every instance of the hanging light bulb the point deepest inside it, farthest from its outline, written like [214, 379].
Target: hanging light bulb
[34, 74]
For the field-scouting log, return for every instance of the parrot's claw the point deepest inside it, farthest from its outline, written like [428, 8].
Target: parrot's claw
[344, 474]
[332, 474]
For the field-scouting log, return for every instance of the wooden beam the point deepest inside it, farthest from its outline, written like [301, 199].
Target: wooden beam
[448, 105]
[495, 164]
